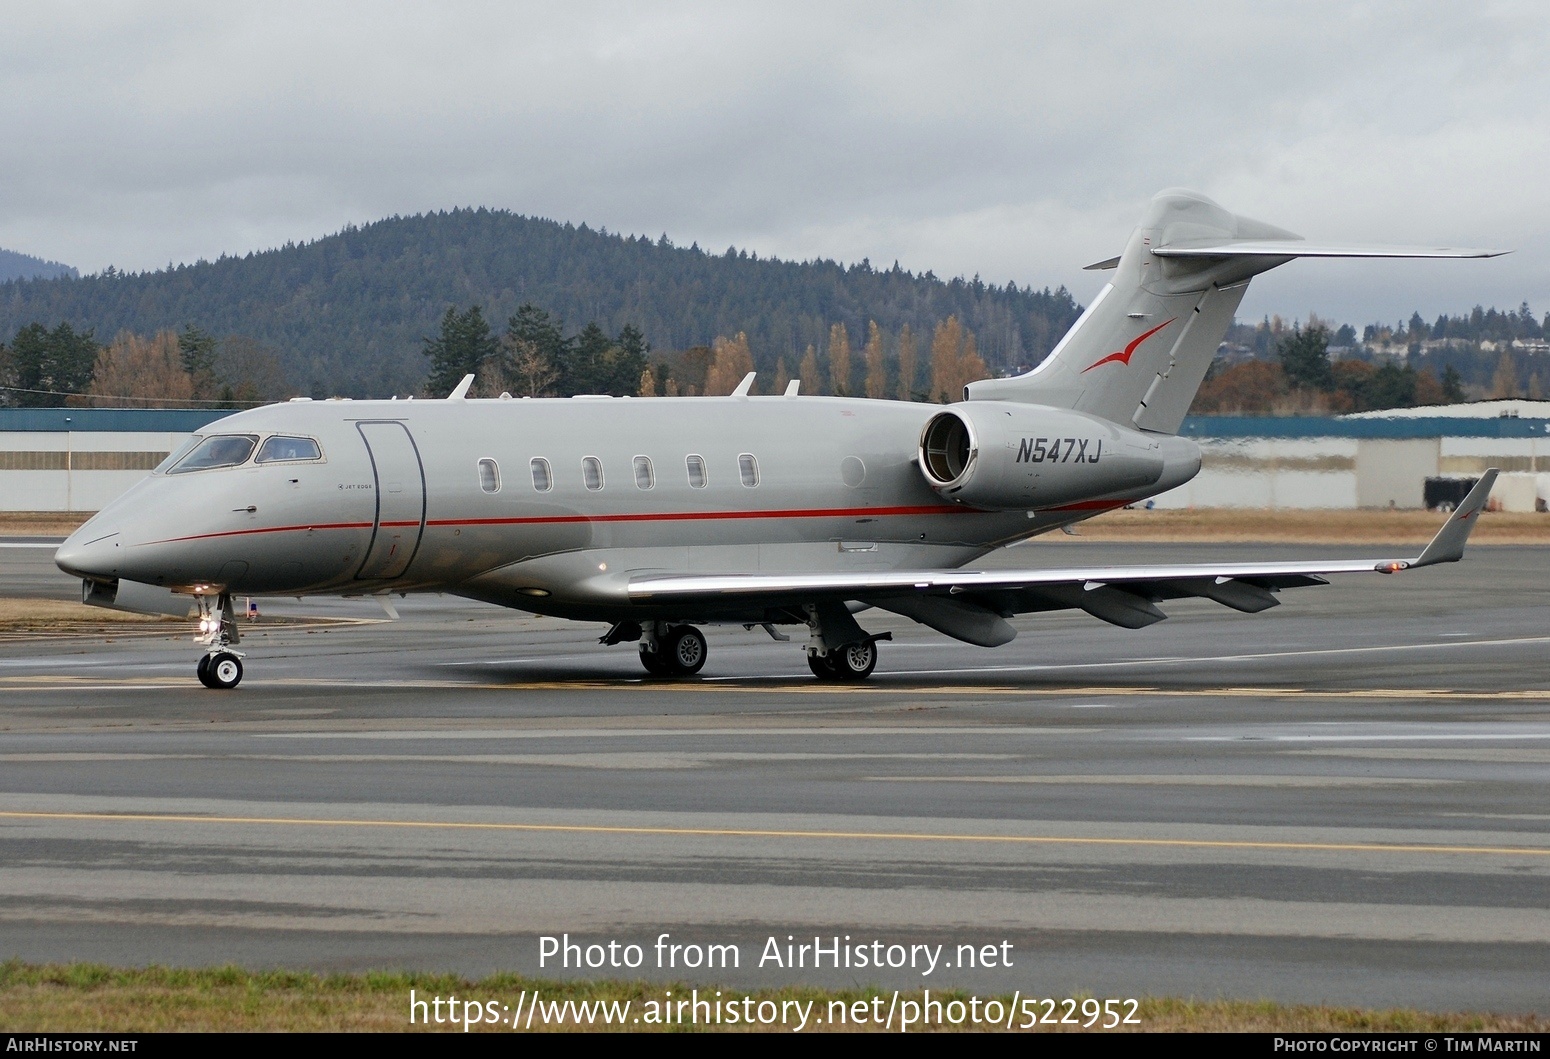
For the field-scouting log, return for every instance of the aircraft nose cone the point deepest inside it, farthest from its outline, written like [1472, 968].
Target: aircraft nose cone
[90, 554]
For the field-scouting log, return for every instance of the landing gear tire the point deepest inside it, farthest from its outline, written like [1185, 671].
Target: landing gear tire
[854, 661]
[681, 652]
[655, 664]
[685, 650]
[221, 671]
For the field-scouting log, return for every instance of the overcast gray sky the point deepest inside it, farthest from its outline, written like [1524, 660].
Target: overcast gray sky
[1014, 140]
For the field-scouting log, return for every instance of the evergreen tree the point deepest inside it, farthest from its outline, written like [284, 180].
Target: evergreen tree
[56, 362]
[532, 351]
[586, 366]
[1304, 356]
[7, 376]
[462, 347]
[198, 352]
[1452, 384]
[630, 353]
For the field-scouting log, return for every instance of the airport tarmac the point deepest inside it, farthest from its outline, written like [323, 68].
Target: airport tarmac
[1344, 799]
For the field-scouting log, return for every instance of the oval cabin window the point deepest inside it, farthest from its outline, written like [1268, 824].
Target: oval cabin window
[748, 467]
[696, 466]
[645, 476]
[543, 481]
[489, 476]
[592, 472]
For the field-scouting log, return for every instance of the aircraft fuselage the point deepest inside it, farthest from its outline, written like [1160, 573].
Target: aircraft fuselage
[554, 505]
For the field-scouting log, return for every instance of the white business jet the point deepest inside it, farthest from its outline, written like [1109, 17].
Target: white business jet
[657, 516]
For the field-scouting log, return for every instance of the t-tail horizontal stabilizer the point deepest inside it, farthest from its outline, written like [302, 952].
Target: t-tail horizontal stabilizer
[1138, 354]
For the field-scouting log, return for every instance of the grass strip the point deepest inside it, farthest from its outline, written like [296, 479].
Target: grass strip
[83, 997]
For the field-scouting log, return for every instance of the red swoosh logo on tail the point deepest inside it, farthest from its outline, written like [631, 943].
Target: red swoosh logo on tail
[1124, 355]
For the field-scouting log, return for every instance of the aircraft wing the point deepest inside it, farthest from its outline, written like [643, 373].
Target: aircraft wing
[972, 604]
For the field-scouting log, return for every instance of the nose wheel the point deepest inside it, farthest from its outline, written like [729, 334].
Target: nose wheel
[221, 670]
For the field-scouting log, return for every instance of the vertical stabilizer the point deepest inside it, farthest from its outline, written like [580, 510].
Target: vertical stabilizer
[1140, 351]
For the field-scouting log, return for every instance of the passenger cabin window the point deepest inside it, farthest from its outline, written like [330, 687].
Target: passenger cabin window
[543, 481]
[489, 476]
[696, 466]
[592, 472]
[645, 477]
[223, 450]
[748, 467]
[281, 449]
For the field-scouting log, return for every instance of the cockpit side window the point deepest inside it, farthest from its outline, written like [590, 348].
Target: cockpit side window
[281, 448]
[177, 455]
[222, 450]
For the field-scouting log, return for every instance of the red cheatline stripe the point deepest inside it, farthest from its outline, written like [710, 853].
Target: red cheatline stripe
[271, 529]
[693, 516]
[668, 516]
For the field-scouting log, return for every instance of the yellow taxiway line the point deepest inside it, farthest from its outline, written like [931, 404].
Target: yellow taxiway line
[740, 832]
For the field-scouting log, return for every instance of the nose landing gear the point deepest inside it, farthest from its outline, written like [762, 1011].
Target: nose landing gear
[220, 668]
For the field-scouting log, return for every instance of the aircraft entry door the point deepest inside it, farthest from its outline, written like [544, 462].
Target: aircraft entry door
[400, 486]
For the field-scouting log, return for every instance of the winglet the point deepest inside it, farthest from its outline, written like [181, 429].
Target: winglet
[1448, 545]
[746, 385]
[460, 391]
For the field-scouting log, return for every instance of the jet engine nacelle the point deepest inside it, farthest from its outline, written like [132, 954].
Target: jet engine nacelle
[1005, 456]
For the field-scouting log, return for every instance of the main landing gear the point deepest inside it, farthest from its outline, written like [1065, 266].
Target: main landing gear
[665, 650]
[854, 661]
[837, 648]
[680, 651]
[220, 668]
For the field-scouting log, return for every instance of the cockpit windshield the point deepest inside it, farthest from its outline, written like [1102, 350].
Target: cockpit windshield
[281, 448]
[223, 450]
[176, 456]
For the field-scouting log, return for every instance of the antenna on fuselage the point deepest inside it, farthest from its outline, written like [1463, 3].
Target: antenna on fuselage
[792, 387]
[460, 391]
[746, 385]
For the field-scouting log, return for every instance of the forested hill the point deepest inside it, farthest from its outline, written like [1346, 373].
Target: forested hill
[25, 266]
[347, 313]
